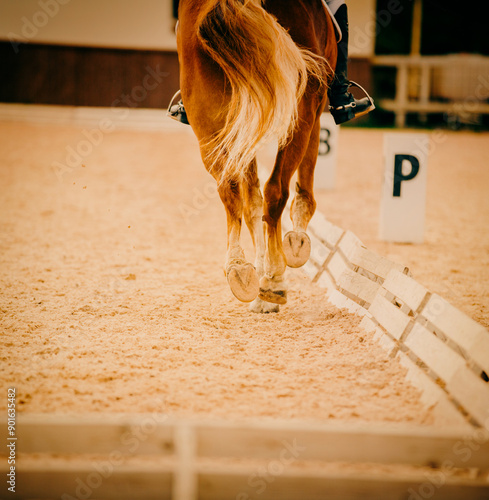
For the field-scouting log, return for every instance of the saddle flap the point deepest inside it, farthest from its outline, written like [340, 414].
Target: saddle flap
[339, 34]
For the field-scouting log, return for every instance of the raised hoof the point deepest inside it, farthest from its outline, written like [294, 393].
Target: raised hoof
[297, 248]
[243, 281]
[261, 307]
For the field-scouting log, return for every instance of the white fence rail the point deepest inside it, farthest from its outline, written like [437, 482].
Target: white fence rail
[446, 352]
[455, 84]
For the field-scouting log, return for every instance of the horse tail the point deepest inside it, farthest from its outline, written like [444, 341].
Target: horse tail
[267, 74]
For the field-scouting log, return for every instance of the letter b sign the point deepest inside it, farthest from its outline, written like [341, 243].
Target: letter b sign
[325, 173]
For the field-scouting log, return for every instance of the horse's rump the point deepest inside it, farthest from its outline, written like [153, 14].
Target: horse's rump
[267, 74]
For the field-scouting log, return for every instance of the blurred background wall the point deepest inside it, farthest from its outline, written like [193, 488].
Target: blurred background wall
[87, 52]
[91, 52]
[97, 52]
[125, 24]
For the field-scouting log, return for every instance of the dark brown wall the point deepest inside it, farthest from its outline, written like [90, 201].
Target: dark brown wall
[49, 74]
[360, 71]
[79, 76]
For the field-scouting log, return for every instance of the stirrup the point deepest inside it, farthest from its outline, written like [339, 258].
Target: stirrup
[346, 112]
[372, 104]
[177, 111]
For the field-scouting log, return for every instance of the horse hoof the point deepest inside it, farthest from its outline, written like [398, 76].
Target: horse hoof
[259, 306]
[243, 281]
[297, 248]
[274, 296]
[273, 290]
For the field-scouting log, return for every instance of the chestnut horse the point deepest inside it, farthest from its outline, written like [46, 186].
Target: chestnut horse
[249, 71]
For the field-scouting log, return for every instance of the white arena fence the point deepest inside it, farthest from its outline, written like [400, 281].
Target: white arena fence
[446, 352]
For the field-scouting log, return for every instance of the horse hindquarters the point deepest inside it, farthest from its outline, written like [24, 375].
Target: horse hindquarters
[242, 78]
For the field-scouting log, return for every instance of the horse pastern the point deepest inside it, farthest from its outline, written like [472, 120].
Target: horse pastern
[260, 306]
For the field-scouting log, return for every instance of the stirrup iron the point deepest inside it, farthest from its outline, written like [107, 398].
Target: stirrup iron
[176, 109]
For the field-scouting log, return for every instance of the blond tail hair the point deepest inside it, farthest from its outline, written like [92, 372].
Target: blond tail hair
[267, 74]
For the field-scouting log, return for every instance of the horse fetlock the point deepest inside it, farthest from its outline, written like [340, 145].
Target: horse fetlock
[301, 213]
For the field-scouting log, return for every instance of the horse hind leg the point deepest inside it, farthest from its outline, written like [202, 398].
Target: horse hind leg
[273, 287]
[253, 215]
[296, 243]
[241, 275]
[295, 249]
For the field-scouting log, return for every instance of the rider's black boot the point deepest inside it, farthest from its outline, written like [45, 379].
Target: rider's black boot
[342, 105]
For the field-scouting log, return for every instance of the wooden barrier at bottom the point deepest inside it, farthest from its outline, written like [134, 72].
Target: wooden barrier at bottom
[150, 457]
